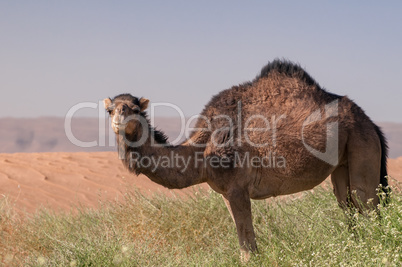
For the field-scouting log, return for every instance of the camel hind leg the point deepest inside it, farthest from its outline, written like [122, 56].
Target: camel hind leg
[364, 163]
[341, 184]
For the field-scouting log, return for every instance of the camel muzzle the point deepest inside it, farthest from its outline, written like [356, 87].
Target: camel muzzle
[119, 122]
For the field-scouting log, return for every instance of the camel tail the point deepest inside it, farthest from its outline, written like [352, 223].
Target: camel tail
[383, 173]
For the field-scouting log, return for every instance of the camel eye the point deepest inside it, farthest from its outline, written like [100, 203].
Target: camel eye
[110, 109]
[134, 108]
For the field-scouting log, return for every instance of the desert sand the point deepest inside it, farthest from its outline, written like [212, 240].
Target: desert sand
[64, 181]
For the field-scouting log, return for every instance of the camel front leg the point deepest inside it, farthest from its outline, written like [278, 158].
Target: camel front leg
[228, 206]
[239, 205]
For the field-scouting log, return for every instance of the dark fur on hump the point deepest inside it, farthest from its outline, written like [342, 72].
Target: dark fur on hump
[289, 69]
[293, 70]
[159, 136]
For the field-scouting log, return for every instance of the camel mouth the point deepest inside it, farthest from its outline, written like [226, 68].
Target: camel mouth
[118, 125]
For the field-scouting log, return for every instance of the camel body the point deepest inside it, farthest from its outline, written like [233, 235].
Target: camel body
[279, 134]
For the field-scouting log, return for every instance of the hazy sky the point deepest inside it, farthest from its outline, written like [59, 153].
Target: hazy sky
[55, 54]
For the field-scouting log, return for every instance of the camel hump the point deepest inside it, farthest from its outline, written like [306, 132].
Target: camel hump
[288, 68]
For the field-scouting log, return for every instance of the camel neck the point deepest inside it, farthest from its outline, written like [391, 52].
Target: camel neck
[174, 167]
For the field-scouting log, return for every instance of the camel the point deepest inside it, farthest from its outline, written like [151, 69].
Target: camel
[278, 134]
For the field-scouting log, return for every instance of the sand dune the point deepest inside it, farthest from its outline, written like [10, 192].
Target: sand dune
[61, 181]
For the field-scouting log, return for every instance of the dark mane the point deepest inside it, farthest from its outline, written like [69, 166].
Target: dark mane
[159, 136]
[289, 69]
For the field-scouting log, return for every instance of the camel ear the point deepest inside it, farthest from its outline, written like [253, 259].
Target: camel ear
[143, 103]
[107, 102]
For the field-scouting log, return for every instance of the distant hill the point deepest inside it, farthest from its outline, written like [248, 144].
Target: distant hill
[49, 135]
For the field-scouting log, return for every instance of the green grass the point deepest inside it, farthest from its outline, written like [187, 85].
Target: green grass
[198, 231]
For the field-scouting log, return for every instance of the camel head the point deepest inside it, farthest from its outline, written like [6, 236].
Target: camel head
[126, 112]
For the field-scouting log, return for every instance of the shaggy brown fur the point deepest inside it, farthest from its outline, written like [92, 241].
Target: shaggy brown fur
[293, 119]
